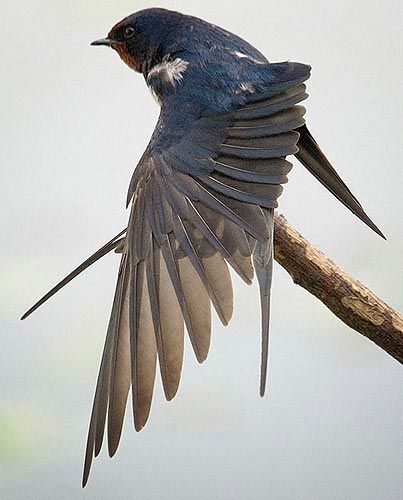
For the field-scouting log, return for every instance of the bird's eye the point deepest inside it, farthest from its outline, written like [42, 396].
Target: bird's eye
[129, 32]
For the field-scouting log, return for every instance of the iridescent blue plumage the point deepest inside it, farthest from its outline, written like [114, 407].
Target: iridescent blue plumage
[202, 199]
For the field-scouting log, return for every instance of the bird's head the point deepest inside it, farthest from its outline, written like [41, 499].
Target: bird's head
[143, 36]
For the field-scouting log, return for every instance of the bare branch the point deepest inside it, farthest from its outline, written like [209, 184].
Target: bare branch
[346, 297]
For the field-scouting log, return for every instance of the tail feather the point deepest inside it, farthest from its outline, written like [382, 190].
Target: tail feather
[263, 264]
[312, 157]
[108, 247]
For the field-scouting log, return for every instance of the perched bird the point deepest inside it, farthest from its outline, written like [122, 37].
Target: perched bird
[202, 197]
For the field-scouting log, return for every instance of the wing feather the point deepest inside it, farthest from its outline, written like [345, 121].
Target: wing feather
[199, 204]
[120, 378]
[100, 404]
[198, 308]
[191, 244]
[273, 171]
[170, 344]
[142, 340]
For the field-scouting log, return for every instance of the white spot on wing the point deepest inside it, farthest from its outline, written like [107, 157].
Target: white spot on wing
[240, 55]
[247, 87]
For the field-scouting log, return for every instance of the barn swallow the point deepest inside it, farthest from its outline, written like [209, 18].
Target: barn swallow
[202, 198]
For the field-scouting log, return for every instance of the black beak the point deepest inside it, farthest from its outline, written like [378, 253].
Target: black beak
[104, 41]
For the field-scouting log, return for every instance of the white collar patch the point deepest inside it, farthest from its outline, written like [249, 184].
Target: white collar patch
[170, 70]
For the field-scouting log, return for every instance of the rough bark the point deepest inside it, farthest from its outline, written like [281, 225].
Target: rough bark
[346, 297]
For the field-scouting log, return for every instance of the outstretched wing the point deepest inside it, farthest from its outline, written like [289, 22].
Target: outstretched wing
[200, 202]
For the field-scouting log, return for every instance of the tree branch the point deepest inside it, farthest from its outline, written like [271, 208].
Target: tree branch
[346, 297]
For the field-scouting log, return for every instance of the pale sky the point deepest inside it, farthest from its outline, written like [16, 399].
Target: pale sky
[74, 124]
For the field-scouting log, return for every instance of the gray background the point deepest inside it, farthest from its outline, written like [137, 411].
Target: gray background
[74, 122]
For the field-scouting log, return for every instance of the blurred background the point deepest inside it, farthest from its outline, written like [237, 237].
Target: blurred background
[74, 123]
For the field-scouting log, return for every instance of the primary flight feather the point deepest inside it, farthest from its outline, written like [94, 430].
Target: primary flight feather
[202, 198]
